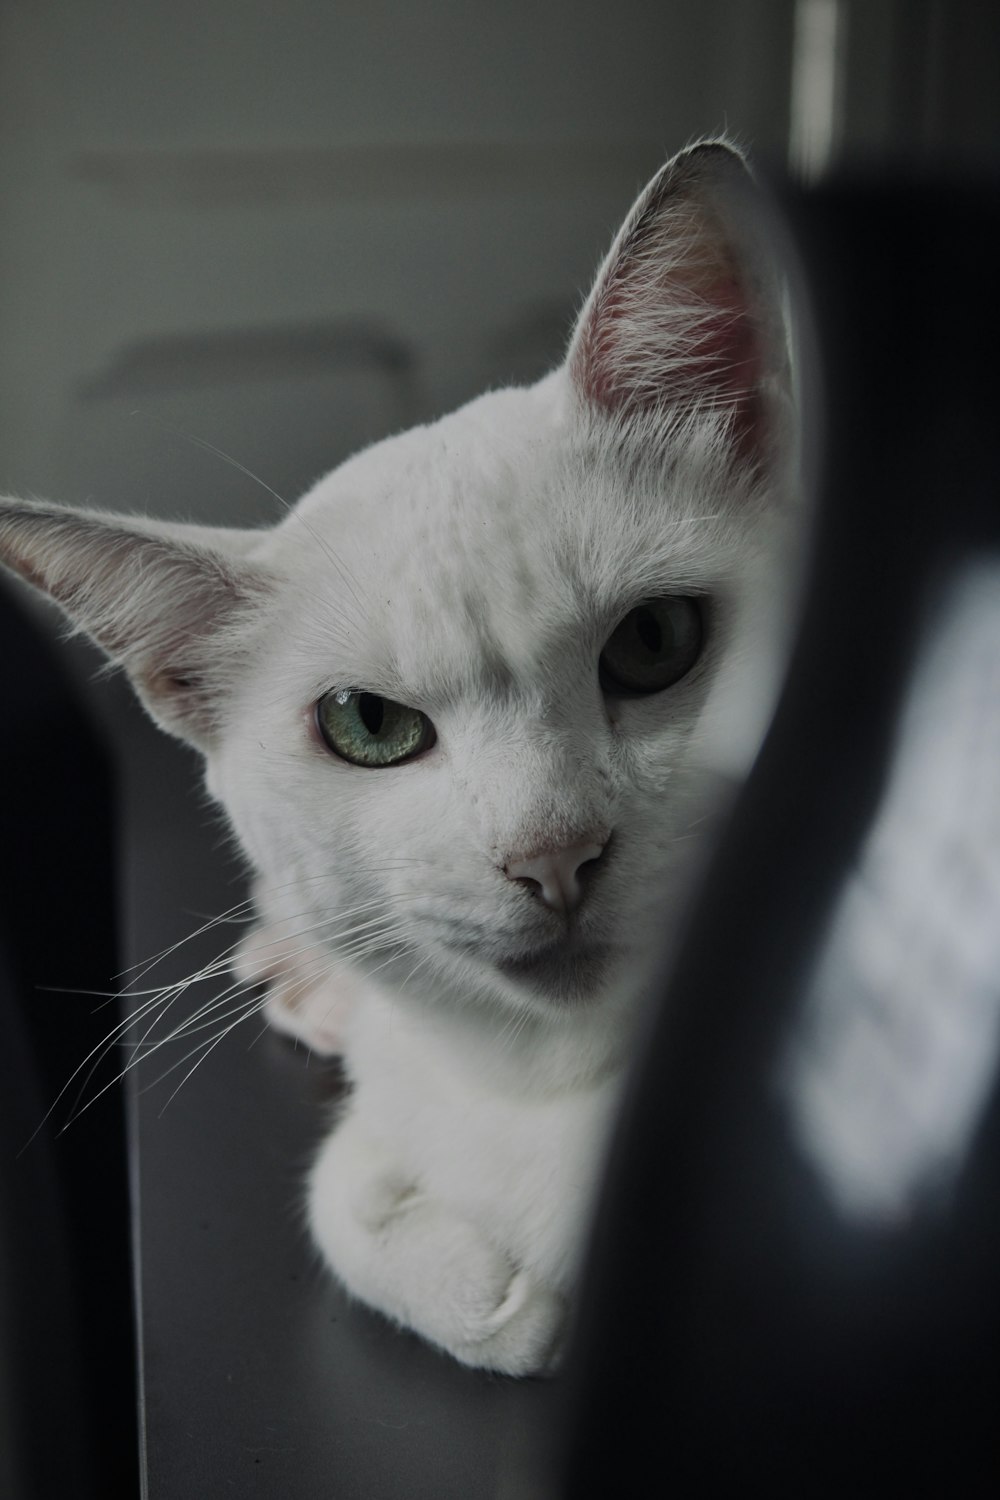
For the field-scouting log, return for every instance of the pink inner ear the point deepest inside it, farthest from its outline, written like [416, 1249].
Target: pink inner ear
[727, 348]
[678, 334]
[726, 361]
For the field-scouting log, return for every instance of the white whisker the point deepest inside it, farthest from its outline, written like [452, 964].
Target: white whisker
[313, 948]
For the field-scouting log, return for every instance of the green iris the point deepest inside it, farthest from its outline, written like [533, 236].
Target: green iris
[371, 731]
[655, 645]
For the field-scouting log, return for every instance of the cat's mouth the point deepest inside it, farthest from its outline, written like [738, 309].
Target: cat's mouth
[562, 970]
[573, 966]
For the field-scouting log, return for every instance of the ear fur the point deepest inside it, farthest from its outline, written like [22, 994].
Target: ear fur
[162, 599]
[685, 311]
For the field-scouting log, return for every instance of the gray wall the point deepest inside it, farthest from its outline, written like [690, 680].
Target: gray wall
[283, 228]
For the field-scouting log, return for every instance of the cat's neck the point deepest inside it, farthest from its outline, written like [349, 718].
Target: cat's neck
[573, 1047]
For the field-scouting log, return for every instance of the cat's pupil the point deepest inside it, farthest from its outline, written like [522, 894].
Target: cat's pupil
[647, 628]
[371, 709]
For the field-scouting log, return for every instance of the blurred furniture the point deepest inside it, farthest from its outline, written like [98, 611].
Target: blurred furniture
[68, 1414]
[796, 1271]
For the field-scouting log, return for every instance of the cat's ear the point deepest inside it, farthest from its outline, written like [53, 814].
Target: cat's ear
[162, 599]
[686, 310]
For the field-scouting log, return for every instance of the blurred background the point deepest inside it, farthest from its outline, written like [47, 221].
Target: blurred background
[286, 229]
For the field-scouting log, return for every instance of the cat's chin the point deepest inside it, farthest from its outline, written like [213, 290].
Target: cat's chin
[560, 973]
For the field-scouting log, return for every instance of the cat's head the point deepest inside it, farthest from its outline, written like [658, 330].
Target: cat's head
[454, 703]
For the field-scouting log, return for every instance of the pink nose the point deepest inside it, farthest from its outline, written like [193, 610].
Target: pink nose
[553, 874]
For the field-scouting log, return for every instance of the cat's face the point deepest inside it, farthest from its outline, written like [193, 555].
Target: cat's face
[455, 703]
[474, 572]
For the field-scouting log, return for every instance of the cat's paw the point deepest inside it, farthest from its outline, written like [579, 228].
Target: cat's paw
[428, 1268]
[464, 1294]
[303, 1000]
[524, 1333]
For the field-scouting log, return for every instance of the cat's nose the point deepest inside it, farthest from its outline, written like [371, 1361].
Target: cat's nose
[553, 875]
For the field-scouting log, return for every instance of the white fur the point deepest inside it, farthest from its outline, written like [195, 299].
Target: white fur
[472, 569]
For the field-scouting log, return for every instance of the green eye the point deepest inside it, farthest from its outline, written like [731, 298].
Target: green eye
[371, 731]
[654, 646]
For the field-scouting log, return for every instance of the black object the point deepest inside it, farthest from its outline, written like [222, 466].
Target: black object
[68, 1413]
[739, 1327]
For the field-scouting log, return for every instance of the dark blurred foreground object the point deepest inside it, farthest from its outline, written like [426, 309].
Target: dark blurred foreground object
[68, 1423]
[795, 1283]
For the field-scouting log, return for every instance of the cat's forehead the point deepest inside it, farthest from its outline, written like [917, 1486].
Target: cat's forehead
[449, 497]
[463, 549]
[448, 528]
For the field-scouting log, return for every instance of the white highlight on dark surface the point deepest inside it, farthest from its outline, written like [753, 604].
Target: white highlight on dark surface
[901, 1038]
[817, 49]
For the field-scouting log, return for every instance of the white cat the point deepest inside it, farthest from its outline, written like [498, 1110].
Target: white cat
[455, 707]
